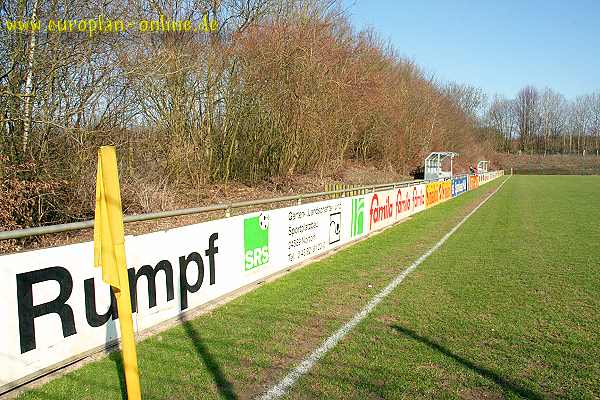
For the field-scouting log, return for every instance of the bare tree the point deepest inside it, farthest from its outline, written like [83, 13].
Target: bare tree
[501, 117]
[581, 119]
[527, 113]
[553, 114]
[595, 121]
[470, 99]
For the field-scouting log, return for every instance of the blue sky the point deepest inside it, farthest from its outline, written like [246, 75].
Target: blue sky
[498, 45]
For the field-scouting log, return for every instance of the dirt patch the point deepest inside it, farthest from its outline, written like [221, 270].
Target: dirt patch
[387, 319]
[479, 393]
[534, 366]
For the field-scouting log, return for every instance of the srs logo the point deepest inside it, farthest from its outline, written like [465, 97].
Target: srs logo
[256, 241]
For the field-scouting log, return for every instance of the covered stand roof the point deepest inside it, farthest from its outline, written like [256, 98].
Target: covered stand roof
[482, 165]
[433, 165]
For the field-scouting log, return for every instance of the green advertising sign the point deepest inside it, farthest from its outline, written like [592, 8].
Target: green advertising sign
[256, 241]
[358, 216]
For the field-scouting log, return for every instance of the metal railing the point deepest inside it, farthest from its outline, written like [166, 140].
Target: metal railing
[344, 186]
[75, 226]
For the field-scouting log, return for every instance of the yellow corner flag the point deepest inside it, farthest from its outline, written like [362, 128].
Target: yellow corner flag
[109, 253]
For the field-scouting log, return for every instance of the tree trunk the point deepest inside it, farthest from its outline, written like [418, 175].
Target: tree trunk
[29, 81]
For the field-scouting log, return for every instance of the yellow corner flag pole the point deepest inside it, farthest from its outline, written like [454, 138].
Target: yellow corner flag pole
[109, 253]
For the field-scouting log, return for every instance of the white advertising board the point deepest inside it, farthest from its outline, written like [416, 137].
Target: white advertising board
[390, 206]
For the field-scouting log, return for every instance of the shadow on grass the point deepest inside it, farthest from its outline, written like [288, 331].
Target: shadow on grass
[225, 387]
[116, 356]
[484, 372]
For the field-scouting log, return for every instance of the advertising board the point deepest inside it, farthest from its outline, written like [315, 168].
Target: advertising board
[432, 196]
[473, 182]
[446, 190]
[459, 185]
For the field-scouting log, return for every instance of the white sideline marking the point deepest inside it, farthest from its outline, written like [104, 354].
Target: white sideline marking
[292, 377]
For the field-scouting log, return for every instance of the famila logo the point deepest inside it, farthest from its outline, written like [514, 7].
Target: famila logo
[418, 197]
[402, 205]
[256, 241]
[358, 216]
[379, 213]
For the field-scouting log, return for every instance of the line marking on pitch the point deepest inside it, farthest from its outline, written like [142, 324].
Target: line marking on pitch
[281, 388]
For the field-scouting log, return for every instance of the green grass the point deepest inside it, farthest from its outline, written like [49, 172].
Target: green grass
[506, 308]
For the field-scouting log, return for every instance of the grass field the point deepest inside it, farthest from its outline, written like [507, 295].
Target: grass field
[507, 308]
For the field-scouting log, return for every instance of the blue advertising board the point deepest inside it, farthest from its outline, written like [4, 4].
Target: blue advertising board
[459, 186]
